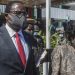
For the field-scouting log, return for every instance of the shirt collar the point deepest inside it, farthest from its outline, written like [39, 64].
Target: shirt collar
[20, 33]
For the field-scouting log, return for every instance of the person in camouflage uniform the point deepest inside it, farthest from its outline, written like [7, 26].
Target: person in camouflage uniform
[63, 56]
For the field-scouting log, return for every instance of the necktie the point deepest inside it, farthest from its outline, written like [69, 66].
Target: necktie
[20, 49]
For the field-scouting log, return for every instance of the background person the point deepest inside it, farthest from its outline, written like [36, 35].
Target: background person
[63, 56]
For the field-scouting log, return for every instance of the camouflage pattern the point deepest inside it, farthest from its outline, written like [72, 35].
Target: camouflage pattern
[63, 60]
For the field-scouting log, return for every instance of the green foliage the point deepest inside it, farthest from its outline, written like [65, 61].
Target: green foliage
[54, 40]
[42, 34]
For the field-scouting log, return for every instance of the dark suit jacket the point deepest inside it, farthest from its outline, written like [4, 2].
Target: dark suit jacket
[10, 63]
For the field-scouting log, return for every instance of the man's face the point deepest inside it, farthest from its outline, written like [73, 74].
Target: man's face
[16, 17]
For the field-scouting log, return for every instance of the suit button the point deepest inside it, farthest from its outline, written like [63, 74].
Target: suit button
[24, 71]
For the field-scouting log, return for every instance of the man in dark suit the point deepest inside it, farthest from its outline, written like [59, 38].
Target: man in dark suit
[16, 54]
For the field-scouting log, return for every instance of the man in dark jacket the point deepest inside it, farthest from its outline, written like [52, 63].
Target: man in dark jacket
[16, 54]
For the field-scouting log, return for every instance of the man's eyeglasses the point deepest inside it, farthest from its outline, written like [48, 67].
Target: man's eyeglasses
[18, 12]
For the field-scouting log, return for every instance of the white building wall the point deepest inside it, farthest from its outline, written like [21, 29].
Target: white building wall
[2, 8]
[58, 13]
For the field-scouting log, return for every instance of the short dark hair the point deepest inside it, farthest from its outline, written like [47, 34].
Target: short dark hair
[10, 3]
[69, 28]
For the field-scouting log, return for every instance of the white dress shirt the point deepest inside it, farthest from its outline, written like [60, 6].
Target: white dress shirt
[12, 35]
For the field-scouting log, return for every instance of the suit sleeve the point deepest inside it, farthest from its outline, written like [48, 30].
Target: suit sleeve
[55, 59]
[35, 70]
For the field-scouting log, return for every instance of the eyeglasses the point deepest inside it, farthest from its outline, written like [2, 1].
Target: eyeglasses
[18, 12]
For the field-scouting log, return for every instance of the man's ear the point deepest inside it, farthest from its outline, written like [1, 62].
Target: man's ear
[7, 17]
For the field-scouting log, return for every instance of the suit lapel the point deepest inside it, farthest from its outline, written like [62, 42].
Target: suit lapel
[8, 39]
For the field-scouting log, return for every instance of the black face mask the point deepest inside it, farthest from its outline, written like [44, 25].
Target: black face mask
[17, 23]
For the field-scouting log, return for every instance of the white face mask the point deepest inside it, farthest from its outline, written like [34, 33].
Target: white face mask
[35, 33]
[16, 22]
[61, 35]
